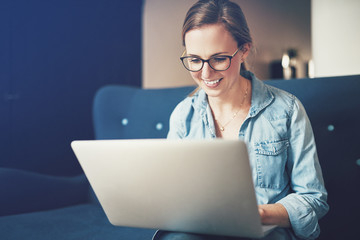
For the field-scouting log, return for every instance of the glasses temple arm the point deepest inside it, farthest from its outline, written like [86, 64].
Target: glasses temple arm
[182, 55]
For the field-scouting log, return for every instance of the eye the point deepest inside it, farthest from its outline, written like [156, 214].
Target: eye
[219, 59]
[194, 60]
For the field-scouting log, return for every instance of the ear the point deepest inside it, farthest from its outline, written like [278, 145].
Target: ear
[246, 50]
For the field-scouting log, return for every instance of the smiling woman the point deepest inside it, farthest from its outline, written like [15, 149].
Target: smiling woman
[231, 103]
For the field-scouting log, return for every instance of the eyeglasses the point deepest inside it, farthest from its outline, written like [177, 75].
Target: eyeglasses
[218, 62]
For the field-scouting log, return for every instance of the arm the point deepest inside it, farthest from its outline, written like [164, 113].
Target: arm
[176, 123]
[175, 126]
[274, 214]
[307, 204]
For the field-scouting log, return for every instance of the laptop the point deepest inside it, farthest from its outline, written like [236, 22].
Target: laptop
[196, 186]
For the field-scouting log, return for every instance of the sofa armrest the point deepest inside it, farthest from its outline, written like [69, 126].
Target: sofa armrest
[22, 191]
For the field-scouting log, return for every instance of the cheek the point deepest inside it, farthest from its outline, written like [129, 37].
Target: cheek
[234, 68]
[195, 75]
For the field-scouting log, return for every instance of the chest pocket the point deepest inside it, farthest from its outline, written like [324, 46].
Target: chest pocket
[271, 157]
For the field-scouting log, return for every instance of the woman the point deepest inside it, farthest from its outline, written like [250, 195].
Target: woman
[285, 167]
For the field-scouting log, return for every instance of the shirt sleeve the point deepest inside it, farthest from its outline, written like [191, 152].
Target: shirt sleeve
[307, 204]
[176, 124]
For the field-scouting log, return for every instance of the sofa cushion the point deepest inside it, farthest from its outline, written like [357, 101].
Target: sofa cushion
[22, 191]
[85, 221]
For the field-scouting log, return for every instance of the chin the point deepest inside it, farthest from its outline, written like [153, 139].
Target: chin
[212, 92]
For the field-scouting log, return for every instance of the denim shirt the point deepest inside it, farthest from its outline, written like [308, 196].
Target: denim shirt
[282, 151]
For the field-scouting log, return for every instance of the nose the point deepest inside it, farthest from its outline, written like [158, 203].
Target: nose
[206, 71]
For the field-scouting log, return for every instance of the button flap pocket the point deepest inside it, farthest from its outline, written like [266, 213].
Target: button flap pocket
[271, 148]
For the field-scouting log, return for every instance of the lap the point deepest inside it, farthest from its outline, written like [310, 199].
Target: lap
[277, 234]
[165, 235]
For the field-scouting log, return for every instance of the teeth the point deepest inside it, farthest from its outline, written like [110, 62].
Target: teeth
[212, 82]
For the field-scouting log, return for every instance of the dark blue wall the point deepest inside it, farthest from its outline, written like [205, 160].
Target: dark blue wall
[54, 55]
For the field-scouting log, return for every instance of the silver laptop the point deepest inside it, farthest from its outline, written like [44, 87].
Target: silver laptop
[198, 186]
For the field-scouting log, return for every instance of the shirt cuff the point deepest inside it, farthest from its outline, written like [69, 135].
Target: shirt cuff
[303, 218]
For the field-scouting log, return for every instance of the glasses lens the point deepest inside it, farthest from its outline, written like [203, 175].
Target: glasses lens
[192, 64]
[220, 63]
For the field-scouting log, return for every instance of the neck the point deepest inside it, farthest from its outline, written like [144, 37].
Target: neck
[233, 101]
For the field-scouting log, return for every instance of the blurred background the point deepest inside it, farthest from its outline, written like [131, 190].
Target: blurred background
[55, 54]
[307, 38]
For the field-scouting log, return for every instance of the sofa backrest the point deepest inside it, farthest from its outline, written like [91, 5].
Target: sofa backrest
[122, 112]
[332, 104]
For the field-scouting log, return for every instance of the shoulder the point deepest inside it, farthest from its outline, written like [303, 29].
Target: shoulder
[269, 99]
[282, 97]
[287, 99]
[285, 104]
[263, 93]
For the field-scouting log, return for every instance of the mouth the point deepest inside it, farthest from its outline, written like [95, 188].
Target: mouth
[212, 83]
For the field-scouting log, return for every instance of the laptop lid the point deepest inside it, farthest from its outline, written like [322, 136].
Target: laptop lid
[199, 186]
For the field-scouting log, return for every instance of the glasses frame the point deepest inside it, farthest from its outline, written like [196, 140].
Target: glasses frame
[203, 61]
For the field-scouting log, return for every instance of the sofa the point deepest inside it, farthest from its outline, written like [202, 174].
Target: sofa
[43, 206]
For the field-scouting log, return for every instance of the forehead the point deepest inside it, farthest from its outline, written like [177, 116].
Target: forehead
[209, 39]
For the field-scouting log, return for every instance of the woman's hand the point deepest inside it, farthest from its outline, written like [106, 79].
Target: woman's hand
[274, 214]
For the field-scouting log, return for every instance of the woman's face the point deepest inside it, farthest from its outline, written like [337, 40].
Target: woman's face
[206, 42]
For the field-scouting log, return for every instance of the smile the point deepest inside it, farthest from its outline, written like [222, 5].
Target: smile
[212, 83]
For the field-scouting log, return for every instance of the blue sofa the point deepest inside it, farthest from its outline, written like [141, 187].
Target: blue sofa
[44, 206]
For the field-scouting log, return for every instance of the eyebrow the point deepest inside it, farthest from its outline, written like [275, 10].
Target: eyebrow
[213, 55]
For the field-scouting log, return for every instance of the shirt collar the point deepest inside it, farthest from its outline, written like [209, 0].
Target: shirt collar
[261, 96]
